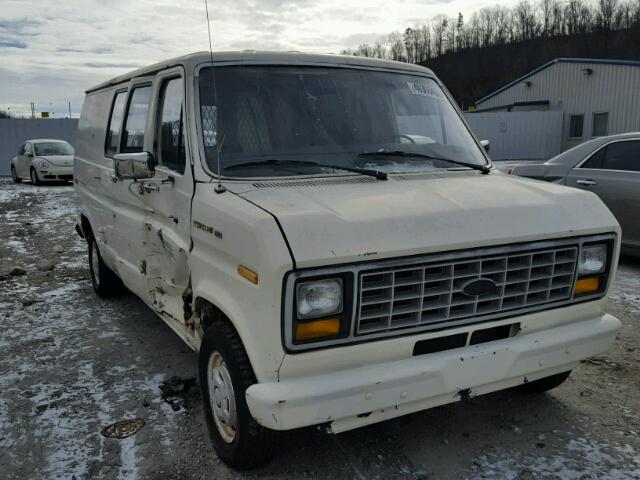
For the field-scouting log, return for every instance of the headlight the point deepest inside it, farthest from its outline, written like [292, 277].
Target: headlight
[593, 259]
[319, 298]
[42, 164]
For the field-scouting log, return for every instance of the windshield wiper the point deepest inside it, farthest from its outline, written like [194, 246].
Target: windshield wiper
[276, 162]
[400, 153]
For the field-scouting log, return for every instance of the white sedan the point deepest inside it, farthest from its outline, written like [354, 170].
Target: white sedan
[43, 160]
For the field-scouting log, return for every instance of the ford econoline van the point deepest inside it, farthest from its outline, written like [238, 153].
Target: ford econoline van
[329, 235]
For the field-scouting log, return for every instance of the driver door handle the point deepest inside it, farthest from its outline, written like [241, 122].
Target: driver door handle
[150, 187]
[588, 183]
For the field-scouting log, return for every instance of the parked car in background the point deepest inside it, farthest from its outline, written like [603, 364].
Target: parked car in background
[325, 231]
[607, 166]
[43, 160]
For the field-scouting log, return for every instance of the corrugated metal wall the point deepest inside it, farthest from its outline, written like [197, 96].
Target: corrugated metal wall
[519, 135]
[609, 88]
[15, 131]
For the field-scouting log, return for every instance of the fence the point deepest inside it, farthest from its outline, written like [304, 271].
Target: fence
[15, 131]
[519, 135]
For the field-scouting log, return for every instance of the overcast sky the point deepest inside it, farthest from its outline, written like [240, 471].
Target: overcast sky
[52, 50]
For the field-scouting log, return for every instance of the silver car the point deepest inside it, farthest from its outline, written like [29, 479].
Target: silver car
[607, 166]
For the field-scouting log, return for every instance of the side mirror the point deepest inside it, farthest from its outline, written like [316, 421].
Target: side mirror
[485, 144]
[30, 155]
[133, 166]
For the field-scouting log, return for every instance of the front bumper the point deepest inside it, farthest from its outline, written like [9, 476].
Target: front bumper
[352, 398]
[53, 173]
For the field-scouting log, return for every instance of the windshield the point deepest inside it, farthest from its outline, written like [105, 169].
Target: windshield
[328, 116]
[43, 149]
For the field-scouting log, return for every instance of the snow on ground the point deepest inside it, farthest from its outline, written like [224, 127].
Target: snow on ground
[56, 346]
[626, 290]
[71, 364]
[589, 459]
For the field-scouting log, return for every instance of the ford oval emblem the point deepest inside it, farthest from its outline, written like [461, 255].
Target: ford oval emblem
[480, 286]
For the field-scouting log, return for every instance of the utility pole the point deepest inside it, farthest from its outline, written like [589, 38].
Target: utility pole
[69, 109]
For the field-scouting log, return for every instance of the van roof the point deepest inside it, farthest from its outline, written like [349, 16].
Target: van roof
[256, 57]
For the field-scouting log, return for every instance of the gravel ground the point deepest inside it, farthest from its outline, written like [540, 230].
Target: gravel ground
[72, 364]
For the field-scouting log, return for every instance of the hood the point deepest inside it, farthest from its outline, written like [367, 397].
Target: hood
[58, 160]
[416, 214]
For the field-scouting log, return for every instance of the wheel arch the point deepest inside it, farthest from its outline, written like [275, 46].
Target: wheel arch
[85, 227]
[209, 313]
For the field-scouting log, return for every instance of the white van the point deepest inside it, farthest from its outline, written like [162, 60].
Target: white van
[331, 238]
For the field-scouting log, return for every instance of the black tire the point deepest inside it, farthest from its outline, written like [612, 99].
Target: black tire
[105, 282]
[544, 384]
[251, 444]
[34, 177]
[14, 175]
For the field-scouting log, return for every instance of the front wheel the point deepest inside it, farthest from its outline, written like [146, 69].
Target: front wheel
[105, 282]
[225, 374]
[544, 384]
[14, 175]
[34, 177]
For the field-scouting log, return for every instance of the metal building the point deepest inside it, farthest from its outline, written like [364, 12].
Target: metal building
[596, 97]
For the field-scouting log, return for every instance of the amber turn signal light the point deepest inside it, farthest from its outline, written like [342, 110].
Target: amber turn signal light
[248, 274]
[317, 329]
[588, 285]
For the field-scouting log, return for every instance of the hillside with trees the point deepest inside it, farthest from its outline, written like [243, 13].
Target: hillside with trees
[498, 44]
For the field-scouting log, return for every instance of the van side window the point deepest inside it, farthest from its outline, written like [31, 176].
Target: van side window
[133, 130]
[115, 121]
[171, 151]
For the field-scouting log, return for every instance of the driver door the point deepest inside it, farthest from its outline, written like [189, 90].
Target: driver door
[167, 198]
[24, 160]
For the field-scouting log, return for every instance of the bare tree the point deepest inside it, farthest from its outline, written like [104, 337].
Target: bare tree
[409, 44]
[439, 29]
[605, 13]
[423, 43]
[460, 33]
[500, 25]
[526, 23]
[396, 47]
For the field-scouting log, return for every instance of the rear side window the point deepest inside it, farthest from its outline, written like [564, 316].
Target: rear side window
[133, 130]
[596, 159]
[171, 151]
[115, 121]
[623, 156]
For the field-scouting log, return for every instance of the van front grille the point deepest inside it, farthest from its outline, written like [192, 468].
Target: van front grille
[432, 295]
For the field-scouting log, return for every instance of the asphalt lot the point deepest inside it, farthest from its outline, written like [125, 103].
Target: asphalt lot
[71, 364]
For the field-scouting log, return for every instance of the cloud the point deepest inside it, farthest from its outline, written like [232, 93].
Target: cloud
[52, 50]
[85, 50]
[12, 44]
[111, 65]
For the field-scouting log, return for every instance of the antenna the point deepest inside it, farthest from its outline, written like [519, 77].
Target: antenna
[219, 188]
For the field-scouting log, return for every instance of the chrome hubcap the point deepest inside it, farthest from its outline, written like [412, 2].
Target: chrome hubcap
[95, 263]
[222, 397]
